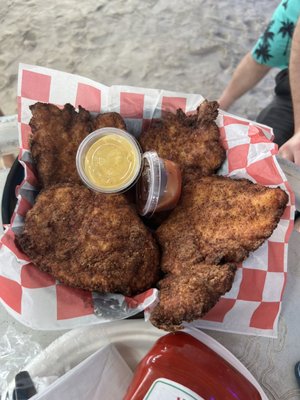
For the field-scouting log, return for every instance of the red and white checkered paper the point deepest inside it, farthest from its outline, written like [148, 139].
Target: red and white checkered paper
[36, 299]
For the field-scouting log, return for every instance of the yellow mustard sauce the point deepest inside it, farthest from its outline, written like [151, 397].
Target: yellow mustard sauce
[111, 162]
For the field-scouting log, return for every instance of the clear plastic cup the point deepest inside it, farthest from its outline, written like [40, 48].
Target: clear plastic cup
[109, 160]
[159, 186]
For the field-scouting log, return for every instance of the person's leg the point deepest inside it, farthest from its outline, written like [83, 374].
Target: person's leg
[279, 113]
[279, 116]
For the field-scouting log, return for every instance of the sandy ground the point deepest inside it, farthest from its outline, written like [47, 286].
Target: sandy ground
[185, 45]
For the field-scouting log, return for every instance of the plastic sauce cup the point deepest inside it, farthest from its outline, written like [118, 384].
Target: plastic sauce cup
[159, 186]
[109, 160]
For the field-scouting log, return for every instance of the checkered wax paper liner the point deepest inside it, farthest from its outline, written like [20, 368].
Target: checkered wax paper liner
[36, 299]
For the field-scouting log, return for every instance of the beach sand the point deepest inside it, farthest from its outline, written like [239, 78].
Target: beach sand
[185, 45]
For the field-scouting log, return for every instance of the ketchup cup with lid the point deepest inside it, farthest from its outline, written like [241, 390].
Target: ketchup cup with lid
[159, 185]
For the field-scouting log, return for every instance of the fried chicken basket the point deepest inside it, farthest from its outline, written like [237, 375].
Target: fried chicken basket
[37, 300]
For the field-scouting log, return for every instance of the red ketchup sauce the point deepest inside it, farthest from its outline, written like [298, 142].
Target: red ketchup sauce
[159, 186]
[172, 190]
[189, 370]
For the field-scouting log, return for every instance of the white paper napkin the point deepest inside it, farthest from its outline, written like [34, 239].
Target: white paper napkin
[103, 375]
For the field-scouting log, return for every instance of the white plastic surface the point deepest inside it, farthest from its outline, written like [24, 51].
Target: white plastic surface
[132, 338]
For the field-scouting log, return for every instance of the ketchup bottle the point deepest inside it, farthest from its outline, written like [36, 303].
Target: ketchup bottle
[179, 367]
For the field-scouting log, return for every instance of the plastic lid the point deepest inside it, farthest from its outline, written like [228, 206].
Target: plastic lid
[109, 165]
[151, 183]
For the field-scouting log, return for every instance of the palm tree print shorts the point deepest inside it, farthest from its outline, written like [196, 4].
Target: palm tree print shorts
[274, 45]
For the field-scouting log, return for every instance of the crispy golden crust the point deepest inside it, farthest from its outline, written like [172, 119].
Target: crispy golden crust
[219, 220]
[191, 141]
[217, 223]
[91, 241]
[109, 119]
[56, 135]
[191, 294]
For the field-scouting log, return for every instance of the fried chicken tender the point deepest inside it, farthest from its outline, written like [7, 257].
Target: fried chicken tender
[219, 220]
[191, 294]
[191, 141]
[109, 119]
[91, 241]
[56, 135]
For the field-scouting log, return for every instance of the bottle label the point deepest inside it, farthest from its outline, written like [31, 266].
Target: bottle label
[165, 389]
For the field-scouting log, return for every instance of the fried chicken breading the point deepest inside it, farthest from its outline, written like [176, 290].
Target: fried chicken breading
[191, 141]
[89, 240]
[109, 119]
[219, 220]
[56, 135]
[191, 294]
